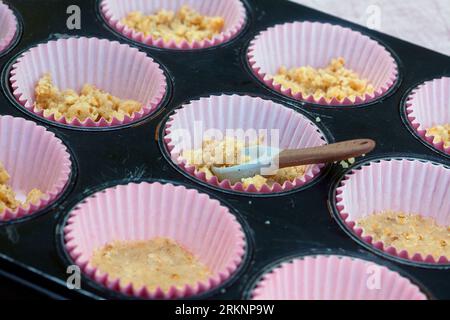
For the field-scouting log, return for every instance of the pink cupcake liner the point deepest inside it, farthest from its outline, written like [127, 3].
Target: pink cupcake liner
[410, 186]
[34, 158]
[8, 26]
[117, 68]
[312, 43]
[148, 210]
[241, 112]
[233, 11]
[429, 105]
[334, 277]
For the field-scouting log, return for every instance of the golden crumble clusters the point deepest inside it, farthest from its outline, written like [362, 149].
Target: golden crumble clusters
[186, 24]
[91, 103]
[441, 134]
[154, 263]
[227, 152]
[8, 196]
[334, 81]
[411, 232]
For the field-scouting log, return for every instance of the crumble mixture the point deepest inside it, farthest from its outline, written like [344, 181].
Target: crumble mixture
[411, 232]
[441, 134]
[8, 196]
[227, 153]
[91, 103]
[334, 81]
[154, 263]
[186, 24]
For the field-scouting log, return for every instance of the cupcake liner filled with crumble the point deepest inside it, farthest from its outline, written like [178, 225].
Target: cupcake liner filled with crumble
[8, 26]
[34, 168]
[212, 132]
[333, 277]
[88, 82]
[322, 63]
[428, 113]
[164, 241]
[176, 24]
[401, 207]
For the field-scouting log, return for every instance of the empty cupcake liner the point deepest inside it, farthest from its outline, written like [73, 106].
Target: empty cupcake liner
[233, 11]
[34, 158]
[334, 277]
[231, 112]
[428, 105]
[116, 68]
[404, 185]
[8, 26]
[149, 210]
[315, 44]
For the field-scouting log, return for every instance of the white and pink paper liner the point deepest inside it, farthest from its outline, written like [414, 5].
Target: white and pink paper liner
[315, 44]
[401, 185]
[228, 112]
[233, 12]
[332, 277]
[428, 105]
[34, 158]
[118, 69]
[8, 26]
[146, 211]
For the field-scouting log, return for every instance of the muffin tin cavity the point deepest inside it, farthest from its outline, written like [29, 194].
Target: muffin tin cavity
[428, 106]
[333, 277]
[9, 28]
[247, 119]
[143, 211]
[118, 69]
[35, 159]
[407, 186]
[233, 13]
[315, 44]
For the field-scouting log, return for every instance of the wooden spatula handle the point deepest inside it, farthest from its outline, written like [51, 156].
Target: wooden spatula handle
[326, 154]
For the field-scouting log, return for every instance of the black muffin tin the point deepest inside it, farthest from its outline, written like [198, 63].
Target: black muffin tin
[278, 227]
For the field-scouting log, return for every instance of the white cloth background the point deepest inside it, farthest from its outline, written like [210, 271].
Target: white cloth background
[422, 22]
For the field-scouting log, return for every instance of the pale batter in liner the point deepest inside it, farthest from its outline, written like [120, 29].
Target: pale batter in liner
[411, 232]
[157, 263]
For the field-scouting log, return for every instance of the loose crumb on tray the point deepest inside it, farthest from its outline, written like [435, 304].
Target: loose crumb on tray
[159, 262]
[333, 81]
[186, 24]
[227, 152]
[8, 199]
[90, 103]
[441, 133]
[411, 232]
[347, 163]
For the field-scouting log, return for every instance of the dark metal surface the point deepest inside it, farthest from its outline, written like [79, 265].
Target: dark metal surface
[288, 225]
